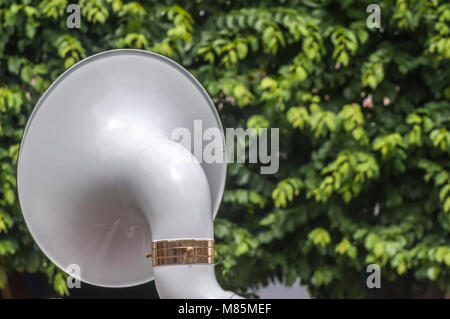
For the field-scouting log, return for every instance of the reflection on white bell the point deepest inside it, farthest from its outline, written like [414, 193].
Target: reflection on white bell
[100, 180]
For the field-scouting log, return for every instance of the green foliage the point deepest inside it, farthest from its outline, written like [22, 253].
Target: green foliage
[363, 116]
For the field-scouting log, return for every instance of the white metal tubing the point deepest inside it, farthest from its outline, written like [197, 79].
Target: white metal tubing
[169, 186]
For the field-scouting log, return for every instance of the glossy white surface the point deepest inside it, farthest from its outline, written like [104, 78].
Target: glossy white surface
[190, 282]
[95, 161]
[174, 196]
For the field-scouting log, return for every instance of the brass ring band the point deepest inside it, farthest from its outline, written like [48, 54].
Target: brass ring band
[182, 252]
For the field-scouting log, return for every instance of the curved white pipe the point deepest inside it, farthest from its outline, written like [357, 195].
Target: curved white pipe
[169, 185]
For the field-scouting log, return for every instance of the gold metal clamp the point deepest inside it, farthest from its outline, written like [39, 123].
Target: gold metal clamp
[182, 252]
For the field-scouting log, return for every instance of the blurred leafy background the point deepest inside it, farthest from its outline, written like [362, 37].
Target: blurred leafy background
[364, 118]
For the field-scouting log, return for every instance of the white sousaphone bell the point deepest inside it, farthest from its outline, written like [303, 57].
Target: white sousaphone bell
[100, 181]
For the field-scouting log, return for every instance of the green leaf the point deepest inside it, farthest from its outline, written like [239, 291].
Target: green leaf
[268, 35]
[59, 284]
[413, 119]
[241, 50]
[9, 196]
[343, 247]
[27, 73]
[433, 272]
[378, 249]
[319, 236]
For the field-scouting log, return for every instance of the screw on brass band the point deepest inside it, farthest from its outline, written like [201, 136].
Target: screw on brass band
[182, 251]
